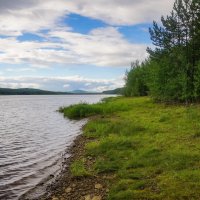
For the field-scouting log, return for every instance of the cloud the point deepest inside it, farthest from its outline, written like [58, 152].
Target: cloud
[22, 16]
[101, 47]
[20, 69]
[121, 12]
[29, 16]
[14, 85]
[37, 54]
[61, 83]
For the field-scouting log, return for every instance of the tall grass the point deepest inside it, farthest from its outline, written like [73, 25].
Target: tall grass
[151, 150]
[83, 110]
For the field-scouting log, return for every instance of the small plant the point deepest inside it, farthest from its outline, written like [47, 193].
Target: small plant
[78, 168]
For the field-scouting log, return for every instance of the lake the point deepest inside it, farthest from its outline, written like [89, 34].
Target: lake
[33, 139]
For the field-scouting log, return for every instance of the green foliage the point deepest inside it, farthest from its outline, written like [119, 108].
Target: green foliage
[136, 80]
[172, 72]
[78, 169]
[83, 110]
[151, 150]
[119, 91]
[177, 53]
[80, 111]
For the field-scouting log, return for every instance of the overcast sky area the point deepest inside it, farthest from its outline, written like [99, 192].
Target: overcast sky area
[66, 45]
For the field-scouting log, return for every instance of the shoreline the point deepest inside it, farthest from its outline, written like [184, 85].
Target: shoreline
[65, 186]
[69, 187]
[131, 148]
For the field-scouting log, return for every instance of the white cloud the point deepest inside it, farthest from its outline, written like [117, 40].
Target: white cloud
[20, 69]
[101, 47]
[33, 15]
[121, 12]
[61, 83]
[29, 16]
[66, 86]
[14, 85]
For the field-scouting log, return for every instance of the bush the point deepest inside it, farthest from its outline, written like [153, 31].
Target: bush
[83, 110]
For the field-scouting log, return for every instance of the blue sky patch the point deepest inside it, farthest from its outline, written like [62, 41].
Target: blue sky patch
[81, 24]
[30, 37]
[136, 34]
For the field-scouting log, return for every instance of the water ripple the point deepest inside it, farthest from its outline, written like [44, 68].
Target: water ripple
[32, 139]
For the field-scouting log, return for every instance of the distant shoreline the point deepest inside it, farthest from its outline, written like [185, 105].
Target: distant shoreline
[52, 94]
[30, 91]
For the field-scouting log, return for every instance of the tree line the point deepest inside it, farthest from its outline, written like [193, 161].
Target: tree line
[172, 71]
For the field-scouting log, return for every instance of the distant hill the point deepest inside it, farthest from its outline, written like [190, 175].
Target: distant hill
[115, 91]
[28, 91]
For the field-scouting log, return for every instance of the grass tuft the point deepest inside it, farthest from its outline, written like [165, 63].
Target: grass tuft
[83, 110]
[78, 169]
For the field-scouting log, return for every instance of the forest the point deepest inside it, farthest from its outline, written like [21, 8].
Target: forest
[171, 73]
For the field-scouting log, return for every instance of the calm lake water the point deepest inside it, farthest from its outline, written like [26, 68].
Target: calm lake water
[33, 138]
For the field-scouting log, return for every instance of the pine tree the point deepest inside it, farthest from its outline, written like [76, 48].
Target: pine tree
[177, 50]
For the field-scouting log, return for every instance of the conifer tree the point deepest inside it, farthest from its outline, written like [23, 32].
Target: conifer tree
[177, 50]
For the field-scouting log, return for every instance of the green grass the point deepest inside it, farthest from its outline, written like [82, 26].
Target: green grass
[78, 168]
[152, 149]
[83, 110]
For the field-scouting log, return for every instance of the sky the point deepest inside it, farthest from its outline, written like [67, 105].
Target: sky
[67, 45]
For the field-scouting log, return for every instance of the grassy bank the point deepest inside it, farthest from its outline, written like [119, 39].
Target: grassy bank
[149, 151]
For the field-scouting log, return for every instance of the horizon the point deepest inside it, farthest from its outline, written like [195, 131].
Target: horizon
[79, 45]
[68, 91]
